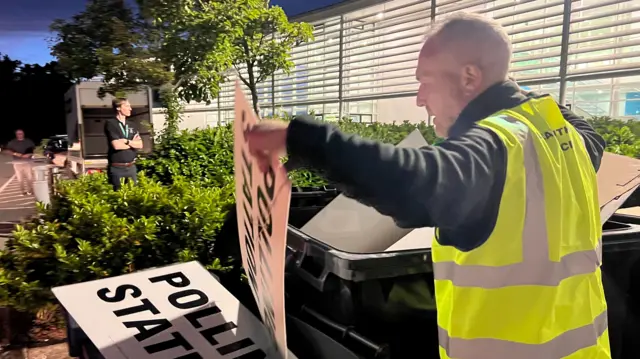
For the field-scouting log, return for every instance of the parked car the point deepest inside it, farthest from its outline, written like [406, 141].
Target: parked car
[55, 145]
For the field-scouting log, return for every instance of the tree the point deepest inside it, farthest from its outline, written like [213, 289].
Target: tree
[251, 35]
[185, 48]
[263, 47]
[110, 39]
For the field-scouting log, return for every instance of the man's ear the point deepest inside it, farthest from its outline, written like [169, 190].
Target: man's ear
[471, 78]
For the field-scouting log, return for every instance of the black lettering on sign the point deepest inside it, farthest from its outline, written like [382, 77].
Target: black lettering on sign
[548, 135]
[247, 179]
[201, 299]
[209, 333]
[266, 194]
[146, 305]
[177, 341]
[120, 294]
[251, 262]
[234, 347]
[566, 146]
[247, 205]
[171, 279]
[193, 355]
[157, 326]
[194, 317]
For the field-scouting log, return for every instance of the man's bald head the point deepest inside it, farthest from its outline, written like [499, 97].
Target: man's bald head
[462, 57]
[473, 39]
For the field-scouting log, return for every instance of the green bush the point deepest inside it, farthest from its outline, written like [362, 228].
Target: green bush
[92, 232]
[386, 132]
[205, 156]
[621, 135]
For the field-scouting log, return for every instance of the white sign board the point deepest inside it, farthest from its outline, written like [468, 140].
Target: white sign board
[174, 312]
[350, 226]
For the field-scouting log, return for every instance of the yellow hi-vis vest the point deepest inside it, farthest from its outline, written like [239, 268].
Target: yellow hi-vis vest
[533, 290]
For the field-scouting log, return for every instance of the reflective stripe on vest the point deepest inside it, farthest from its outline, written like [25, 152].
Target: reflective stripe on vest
[561, 346]
[535, 245]
[535, 269]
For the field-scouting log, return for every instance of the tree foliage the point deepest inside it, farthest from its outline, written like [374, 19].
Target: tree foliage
[263, 46]
[184, 47]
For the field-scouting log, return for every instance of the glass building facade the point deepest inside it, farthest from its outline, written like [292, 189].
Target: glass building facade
[362, 62]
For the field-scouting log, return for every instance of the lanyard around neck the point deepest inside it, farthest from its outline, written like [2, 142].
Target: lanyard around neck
[124, 128]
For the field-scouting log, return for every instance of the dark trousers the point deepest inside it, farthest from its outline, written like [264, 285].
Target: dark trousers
[119, 173]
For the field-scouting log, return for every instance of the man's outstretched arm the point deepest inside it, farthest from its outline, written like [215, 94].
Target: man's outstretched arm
[445, 185]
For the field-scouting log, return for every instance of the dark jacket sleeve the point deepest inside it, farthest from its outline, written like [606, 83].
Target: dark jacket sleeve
[445, 186]
[594, 143]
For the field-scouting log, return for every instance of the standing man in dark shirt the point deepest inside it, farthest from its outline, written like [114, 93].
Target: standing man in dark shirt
[22, 151]
[123, 144]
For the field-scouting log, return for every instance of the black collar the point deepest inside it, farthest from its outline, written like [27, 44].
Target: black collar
[501, 96]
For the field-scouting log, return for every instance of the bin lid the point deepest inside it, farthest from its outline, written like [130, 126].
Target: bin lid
[618, 178]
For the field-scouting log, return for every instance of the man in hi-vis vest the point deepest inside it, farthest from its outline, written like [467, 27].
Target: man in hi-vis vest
[512, 192]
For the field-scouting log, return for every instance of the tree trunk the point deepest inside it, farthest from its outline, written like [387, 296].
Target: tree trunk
[253, 88]
[171, 103]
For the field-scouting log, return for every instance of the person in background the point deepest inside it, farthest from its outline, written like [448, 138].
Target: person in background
[123, 142]
[511, 191]
[22, 152]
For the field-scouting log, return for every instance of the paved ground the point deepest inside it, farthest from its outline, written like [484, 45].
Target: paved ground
[13, 204]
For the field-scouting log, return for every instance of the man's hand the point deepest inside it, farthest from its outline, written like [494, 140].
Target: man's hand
[267, 140]
[136, 142]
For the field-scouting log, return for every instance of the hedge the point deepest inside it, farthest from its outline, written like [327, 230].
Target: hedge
[205, 156]
[174, 214]
[92, 232]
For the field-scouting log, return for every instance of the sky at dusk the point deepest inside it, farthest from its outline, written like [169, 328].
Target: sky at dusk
[24, 24]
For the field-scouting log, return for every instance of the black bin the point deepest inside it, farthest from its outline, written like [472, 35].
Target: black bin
[621, 279]
[360, 291]
[353, 289]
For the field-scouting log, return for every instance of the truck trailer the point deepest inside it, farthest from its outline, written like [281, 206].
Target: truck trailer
[86, 114]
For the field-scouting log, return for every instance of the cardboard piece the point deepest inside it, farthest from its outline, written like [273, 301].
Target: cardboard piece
[262, 207]
[164, 313]
[618, 178]
[350, 226]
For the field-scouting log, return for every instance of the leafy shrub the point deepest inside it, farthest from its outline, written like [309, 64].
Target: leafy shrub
[621, 135]
[386, 132]
[205, 156]
[92, 232]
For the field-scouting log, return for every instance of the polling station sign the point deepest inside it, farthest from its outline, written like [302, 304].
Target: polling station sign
[176, 312]
[262, 205]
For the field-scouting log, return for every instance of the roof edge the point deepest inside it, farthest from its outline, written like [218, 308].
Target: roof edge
[335, 10]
